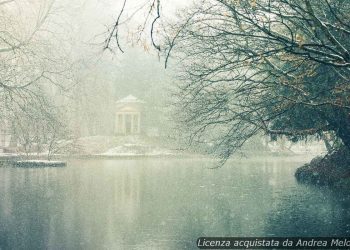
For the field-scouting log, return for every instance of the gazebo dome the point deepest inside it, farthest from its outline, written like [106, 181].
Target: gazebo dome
[130, 99]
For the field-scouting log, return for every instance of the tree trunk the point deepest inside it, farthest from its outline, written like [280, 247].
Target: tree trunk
[344, 135]
[342, 126]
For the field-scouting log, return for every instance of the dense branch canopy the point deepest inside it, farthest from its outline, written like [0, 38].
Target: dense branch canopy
[281, 67]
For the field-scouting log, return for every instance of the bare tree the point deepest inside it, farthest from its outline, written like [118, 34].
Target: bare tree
[36, 124]
[281, 67]
[31, 63]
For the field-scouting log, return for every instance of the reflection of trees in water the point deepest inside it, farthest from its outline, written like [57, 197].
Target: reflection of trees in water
[303, 210]
[48, 207]
[104, 204]
[27, 207]
[232, 201]
[310, 211]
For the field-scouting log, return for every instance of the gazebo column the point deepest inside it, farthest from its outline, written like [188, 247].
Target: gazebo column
[116, 120]
[138, 123]
[123, 124]
[132, 124]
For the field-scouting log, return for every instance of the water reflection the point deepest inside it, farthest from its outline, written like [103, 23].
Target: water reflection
[161, 204]
[326, 214]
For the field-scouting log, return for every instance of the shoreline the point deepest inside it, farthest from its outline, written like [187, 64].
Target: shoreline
[244, 156]
[332, 170]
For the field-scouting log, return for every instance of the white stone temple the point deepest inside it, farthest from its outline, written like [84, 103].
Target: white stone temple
[128, 116]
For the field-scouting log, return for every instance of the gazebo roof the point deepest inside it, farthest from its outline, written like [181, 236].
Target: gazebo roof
[129, 99]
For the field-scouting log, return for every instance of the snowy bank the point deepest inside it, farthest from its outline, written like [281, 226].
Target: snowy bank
[137, 150]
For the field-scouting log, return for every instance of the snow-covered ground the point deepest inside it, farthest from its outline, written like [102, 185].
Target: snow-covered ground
[137, 150]
[137, 145]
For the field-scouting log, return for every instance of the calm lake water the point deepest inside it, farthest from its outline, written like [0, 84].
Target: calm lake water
[162, 204]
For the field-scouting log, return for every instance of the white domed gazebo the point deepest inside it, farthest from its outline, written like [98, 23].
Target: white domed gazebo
[128, 116]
